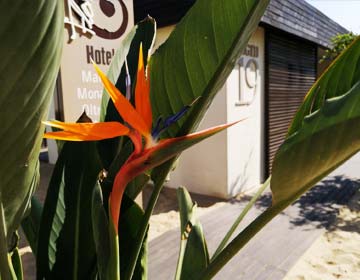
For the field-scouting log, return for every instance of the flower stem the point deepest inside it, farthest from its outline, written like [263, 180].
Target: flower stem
[240, 218]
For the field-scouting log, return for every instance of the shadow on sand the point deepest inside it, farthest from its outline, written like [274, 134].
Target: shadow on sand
[320, 206]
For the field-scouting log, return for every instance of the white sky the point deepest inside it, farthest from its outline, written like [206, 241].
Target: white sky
[344, 12]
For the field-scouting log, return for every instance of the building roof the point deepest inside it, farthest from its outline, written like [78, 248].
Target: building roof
[293, 16]
[302, 19]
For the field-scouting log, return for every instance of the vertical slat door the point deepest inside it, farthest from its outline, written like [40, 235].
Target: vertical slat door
[290, 74]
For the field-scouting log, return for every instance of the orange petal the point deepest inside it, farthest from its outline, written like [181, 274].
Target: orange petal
[137, 141]
[86, 131]
[142, 92]
[69, 136]
[123, 106]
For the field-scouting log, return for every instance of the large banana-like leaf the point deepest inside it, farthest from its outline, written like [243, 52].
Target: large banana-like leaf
[198, 57]
[30, 49]
[30, 225]
[67, 249]
[321, 141]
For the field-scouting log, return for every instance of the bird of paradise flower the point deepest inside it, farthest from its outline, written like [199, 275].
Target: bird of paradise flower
[137, 126]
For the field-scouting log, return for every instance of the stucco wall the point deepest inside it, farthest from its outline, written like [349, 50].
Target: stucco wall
[231, 162]
[203, 168]
[245, 141]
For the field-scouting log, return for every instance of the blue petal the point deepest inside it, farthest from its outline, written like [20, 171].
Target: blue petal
[162, 125]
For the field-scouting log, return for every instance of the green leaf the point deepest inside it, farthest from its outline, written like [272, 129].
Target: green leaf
[325, 138]
[130, 218]
[186, 207]
[193, 256]
[199, 55]
[134, 188]
[31, 223]
[101, 233]
[67, 247]
[31, 35]
[17, 265]
[196, 257]
[5, 269]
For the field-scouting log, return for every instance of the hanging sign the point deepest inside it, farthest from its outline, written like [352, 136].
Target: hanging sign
[93, 31]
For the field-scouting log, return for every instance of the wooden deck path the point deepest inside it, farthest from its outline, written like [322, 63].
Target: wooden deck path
[276, 248]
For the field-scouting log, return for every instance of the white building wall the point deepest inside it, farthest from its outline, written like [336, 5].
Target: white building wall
[245, 141]
[203, 168]
[231, 162]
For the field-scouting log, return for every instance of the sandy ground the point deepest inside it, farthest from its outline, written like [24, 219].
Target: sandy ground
[336, 253]
[166, 215]
[162, 222]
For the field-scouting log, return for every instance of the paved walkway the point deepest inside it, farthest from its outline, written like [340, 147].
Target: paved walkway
[272, 253]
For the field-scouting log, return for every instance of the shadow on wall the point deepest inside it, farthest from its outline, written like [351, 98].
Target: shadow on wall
[241, 183]
[320, 206]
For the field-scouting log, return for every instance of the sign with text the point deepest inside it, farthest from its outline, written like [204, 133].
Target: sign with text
[93, 30]
[249, 74]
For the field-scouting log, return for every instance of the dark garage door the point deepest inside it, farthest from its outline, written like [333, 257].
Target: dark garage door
[290, 74]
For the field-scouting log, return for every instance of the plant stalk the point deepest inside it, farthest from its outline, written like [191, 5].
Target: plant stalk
[4, 257]
[240, 218]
